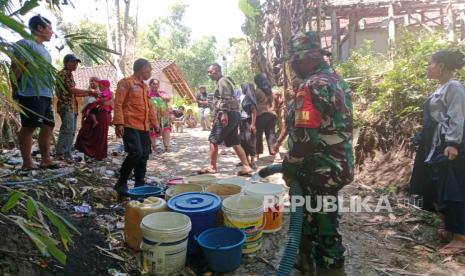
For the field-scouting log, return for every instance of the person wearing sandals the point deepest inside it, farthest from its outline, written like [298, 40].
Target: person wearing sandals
[438, 174]
[35, 101]
[226, 122]
[266, 115]
[247, 127]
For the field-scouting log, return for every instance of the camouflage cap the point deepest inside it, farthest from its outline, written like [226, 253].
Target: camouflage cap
[302, 45]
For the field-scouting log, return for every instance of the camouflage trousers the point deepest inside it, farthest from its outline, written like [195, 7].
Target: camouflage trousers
[321, 244]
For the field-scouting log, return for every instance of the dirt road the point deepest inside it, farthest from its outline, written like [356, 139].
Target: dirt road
[402, 242]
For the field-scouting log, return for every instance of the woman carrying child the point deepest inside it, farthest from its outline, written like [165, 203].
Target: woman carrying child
[92, 138]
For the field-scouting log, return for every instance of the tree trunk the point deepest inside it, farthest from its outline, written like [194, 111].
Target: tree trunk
[2, 121]
[124, 36]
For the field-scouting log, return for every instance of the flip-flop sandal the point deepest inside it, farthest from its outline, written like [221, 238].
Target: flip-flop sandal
[241, 173]
[206, 171]
[55, 166]
[455, 250]
[28, 169]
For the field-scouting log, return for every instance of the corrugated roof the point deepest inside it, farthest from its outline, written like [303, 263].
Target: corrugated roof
[168, 67]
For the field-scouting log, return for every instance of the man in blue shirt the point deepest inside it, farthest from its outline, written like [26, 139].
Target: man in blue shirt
[34, 94]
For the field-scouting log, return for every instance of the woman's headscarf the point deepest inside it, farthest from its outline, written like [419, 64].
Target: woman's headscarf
[104, 83]
[249, 100]
[263, 83]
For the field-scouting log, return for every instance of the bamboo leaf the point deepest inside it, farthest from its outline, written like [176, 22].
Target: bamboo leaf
[14, 25]
[53, 249]
[248, 9]
[62, 230]
[28, 6]
[105, 49]
[41, 218]
[13, 199]
[33, 236]
[69, 224]
[30, 207]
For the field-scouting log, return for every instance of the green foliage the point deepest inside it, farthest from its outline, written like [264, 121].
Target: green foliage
[388, 94]
[406, 87]
[13, 199]
[168, 39]
[363, 63]
[89, 30]
[40, 233]
[398, 88]
[252, 10]
[237, 62]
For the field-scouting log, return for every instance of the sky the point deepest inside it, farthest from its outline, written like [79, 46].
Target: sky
[220, 18]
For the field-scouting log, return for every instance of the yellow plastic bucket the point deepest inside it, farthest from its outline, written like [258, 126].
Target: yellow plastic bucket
[201, 179]
[273, 196]
[135, 211]
[245, 212]
[182, 188]
[223, 191]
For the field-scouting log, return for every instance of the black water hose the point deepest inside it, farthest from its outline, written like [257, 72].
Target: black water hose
[295, 225]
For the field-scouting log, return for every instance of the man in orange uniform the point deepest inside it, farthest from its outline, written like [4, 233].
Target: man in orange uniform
[134, 116]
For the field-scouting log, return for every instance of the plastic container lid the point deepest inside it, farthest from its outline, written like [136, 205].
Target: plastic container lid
[235, 180]
[194, 202]
[199, 179]
[265, 189]
[144, 191]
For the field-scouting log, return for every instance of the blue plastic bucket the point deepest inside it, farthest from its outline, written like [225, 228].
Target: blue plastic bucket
[222, 247]
[144, 192]
[201, 208]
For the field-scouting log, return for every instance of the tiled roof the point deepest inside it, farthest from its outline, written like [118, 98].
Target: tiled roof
[83, 74]
[173, 72]
[351, 2]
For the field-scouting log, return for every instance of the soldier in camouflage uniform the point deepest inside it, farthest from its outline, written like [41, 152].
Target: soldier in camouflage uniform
[320, 146]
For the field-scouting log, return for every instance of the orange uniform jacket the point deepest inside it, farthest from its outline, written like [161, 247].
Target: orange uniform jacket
[133, 107]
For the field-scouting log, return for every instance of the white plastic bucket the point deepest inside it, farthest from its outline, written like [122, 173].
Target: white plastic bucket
[273, 198]
[245, 212]
[164, 242]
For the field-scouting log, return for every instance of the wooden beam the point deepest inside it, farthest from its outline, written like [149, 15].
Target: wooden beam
[450, 23]
[334, 36]
[462, 25]
[391, 31]
[353, 21]
[318, 16]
